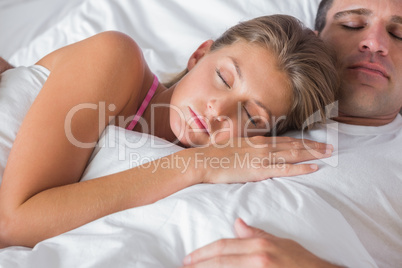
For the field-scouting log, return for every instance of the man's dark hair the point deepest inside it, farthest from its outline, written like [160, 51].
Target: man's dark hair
[320, 18]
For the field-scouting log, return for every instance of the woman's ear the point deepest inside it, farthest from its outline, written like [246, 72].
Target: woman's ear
[199, 53]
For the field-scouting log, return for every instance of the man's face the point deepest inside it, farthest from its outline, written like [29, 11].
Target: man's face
[367, 37]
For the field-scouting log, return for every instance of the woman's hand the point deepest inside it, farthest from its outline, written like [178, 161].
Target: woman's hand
[253, 248]
[256, 159]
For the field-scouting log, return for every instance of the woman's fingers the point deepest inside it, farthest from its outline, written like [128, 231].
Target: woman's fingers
[267, 157]
[293, 156]
[286, 143]
[292, 150]
[290, 170]
[285, 170]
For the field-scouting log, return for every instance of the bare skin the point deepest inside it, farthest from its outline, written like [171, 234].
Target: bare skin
[4, 65]
[255, 247]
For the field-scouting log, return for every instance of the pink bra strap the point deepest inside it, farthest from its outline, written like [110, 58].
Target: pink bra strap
[144, 104]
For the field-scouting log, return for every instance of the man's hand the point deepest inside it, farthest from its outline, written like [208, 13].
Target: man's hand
[253, 248]
[4, 65]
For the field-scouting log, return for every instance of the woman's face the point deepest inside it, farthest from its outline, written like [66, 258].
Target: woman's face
[235, 91]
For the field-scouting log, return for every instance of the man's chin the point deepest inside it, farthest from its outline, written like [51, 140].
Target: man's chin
[360, 101]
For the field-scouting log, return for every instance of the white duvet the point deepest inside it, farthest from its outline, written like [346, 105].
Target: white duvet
[161, 234]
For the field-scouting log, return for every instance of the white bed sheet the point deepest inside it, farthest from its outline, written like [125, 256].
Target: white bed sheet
[168, 31]
[23, 20]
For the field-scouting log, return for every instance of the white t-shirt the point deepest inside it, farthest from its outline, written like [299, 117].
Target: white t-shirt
[363, 180]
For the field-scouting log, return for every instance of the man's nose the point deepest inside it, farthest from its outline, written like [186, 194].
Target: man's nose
[376, 40]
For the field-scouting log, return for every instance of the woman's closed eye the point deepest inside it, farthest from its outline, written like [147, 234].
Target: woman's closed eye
[218, 72]
[250, 117]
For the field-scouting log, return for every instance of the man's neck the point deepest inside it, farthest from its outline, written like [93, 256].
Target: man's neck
[365, 121]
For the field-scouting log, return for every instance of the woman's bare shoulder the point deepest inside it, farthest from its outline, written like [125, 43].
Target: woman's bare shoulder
[108, 63]
[106, 47]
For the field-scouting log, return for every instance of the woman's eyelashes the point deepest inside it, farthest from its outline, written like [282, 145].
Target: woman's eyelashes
[250, 117]
[218, 72]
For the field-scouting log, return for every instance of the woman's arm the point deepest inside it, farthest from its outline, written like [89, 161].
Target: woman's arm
[39, 195]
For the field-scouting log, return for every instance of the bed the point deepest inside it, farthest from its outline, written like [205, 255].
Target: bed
[161, 234]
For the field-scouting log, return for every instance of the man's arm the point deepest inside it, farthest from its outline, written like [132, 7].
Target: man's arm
[254, 248]
[4, 65]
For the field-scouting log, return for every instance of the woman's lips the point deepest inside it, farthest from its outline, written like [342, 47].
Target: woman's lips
[198, 120]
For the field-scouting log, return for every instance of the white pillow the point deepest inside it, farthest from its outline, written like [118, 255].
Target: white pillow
[168, 31]
[119, 149]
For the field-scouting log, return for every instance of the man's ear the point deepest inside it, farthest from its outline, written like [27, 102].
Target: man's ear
[199, 53]
[316, 33]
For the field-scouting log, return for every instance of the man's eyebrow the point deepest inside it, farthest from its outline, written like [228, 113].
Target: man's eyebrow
[396, 19]
[364, 12]
[360, 11]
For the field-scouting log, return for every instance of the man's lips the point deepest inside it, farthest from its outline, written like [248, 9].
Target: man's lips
[370, 67]
[198, 120]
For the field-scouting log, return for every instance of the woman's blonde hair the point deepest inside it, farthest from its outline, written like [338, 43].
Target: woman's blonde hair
[308, 63]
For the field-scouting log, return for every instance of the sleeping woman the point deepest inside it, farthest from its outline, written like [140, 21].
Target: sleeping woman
[260, 78]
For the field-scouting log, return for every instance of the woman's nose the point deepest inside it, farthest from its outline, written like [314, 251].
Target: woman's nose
[221, 109]
[222, 117]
